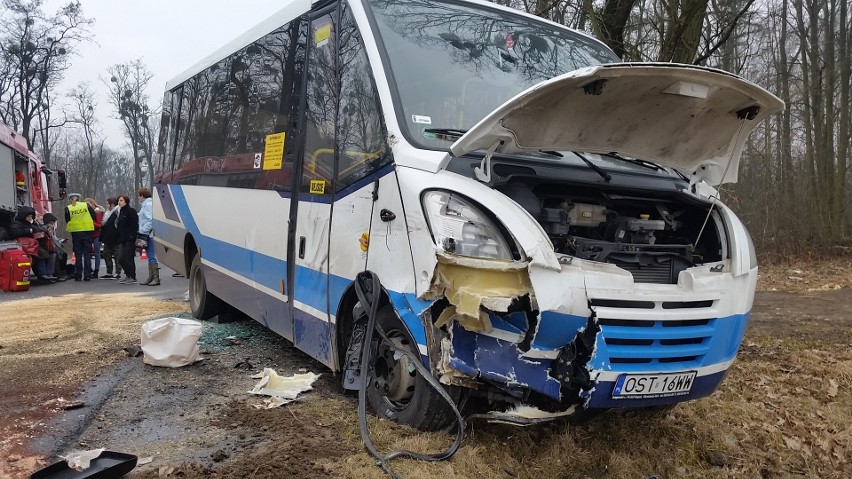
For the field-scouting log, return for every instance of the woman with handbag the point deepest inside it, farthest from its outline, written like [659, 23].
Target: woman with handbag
[25, 229]
[127, 223]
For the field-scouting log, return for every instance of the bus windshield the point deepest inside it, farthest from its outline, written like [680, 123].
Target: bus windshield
[452, 64]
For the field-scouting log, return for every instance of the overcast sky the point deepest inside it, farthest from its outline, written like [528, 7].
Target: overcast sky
[169, 37]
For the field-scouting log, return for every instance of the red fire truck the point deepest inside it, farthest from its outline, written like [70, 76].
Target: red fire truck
[24, 181]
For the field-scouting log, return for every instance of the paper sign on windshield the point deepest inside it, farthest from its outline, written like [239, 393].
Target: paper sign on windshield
[273, 152]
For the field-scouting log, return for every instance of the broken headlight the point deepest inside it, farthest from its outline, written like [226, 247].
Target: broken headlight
[459, 227]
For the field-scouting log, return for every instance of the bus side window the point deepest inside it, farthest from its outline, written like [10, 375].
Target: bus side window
[360, 132]
[321, 113]
[165, 132]
[187, 138]
[263, 91]
[175, 133]
[212, 110]
[200, 126]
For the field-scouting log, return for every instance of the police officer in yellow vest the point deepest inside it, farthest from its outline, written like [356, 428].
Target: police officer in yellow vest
[80, 219]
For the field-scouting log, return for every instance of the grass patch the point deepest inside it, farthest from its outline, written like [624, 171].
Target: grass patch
[783, 411]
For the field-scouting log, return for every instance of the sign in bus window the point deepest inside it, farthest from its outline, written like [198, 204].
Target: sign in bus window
[318, 187]
[273, 152]
[322, 33]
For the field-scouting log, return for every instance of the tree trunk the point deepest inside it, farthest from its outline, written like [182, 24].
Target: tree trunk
[612, 22]
[844, 122]
[680, 44]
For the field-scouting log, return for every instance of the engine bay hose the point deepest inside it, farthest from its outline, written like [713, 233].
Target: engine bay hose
[368, 289]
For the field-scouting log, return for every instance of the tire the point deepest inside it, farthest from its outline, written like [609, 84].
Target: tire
[202, 303]
[396, 391]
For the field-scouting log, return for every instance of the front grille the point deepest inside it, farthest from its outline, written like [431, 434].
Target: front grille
[659, 273]
[623, 303]
[657, 342]
[687, 304]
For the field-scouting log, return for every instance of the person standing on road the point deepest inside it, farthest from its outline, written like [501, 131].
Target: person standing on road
[96, 236]
[60, 258]
[80, 219]
[146, 228]
[127, 224]
[109, 237]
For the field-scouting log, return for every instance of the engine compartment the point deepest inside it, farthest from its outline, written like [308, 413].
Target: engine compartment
[652, 235]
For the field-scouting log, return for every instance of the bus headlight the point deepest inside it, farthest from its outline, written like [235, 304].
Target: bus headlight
[459, 227]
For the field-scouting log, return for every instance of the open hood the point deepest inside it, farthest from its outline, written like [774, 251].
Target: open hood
[690, 118]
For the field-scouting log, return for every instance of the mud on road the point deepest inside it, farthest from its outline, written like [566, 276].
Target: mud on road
[782, 412]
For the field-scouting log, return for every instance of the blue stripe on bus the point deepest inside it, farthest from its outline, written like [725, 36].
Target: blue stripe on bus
[327, 199]
[166, 202]
[169, 232]
[364, 181]
[313, 288]
[313, 336]
[409, 313]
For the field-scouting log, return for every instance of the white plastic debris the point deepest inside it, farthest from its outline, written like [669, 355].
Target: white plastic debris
[531, 412]
[281, 390]
[81, 460]
[186, 296]
[171, 342]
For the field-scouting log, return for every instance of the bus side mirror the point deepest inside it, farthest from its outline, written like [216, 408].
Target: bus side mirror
[63, 182]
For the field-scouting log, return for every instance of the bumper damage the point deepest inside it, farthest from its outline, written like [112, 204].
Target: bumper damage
[521, 335]
[485, 332]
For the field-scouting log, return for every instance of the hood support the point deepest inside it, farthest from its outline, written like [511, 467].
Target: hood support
[483, 171]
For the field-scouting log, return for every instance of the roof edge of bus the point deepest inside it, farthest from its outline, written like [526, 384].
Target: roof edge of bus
[292, 10]
[299, 7]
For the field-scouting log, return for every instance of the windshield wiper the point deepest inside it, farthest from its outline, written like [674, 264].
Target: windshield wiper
[635, 161]
[449, 132]
[606, 176]
[646, 164]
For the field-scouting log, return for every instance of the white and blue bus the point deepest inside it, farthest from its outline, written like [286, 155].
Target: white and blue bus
[542, 219]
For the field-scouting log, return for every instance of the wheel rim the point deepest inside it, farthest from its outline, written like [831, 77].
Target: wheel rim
[394, 373]
[198, 287]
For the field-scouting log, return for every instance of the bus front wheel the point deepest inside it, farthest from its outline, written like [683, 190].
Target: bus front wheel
[396, 391]
[202, 303]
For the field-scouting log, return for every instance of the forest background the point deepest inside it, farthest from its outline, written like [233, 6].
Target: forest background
[794, 186]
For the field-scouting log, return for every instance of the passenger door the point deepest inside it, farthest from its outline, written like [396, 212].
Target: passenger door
[312, 203]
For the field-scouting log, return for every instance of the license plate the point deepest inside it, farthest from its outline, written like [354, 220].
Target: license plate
[646, 386]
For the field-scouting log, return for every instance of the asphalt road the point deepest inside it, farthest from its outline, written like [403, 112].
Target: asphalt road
[171, 288]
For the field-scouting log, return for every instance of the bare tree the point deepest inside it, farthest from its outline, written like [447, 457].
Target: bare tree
[35, 51]
[91, 158]
[127, 84]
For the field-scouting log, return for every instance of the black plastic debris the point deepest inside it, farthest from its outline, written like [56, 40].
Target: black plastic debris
[109, 465]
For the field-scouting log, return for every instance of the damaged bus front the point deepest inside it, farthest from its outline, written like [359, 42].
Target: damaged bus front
[569, 251]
